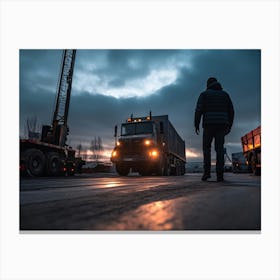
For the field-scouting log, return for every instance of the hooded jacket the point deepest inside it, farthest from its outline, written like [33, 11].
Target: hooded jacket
[215, 106]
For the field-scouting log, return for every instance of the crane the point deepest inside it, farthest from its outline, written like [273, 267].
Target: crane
[57, 133]
[51, 155]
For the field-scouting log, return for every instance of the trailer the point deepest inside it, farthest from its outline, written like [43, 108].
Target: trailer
[149, 145]
[251, 144]
[42, 159]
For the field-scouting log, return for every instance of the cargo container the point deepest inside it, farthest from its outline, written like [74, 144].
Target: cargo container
[149, 145]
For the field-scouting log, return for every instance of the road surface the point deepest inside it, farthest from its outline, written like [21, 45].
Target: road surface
[134, 203]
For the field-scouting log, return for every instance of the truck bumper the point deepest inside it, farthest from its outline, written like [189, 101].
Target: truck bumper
[136, 162]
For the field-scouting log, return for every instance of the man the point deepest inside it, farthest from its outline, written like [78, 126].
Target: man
[215, 105]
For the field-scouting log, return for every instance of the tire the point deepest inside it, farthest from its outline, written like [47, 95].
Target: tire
[35, 162]
[256, 170]
[54, 164]
[167, 170]
[178, 170]
[71, 173]
[160, 169]
[182, 169]
[145, 172]
[122, 170]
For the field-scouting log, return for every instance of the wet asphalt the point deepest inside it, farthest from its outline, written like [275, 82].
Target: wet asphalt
[108, 202]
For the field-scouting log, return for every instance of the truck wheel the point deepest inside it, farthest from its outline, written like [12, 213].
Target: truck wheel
[144, 172]
[35, 162]
[183, 169]
[160, 170]
[122, 170]
[178, 170]
[256, 170]
[54, 164]
[167, 170]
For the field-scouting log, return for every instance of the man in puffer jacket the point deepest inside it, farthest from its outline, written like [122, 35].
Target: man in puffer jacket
[216, 109]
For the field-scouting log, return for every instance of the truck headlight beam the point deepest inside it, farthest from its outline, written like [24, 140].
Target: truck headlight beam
[154, 153]
[147, 142]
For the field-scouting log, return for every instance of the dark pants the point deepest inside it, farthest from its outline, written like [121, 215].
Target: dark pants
[218, 133]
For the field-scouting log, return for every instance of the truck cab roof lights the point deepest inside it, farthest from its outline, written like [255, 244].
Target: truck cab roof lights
[148, 118]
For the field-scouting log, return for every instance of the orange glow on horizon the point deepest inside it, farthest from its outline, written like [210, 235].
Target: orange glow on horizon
[192, 154]
[106, 154]
[103, 155]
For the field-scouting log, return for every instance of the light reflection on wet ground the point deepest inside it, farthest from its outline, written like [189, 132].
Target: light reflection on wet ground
[159, 215]
[216, 209]
[140, 203]
[112, 184]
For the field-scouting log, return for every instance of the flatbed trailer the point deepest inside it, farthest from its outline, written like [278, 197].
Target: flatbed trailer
[43, 159]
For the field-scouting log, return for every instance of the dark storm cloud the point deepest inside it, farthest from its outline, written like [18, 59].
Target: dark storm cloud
[124, 70]
[93, 114]
[39, 71]
[239, 74]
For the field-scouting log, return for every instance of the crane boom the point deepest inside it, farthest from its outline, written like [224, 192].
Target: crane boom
[56, 133]
[60, 114]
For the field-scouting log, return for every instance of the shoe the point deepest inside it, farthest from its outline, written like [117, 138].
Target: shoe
[205, 177]
[220, 177]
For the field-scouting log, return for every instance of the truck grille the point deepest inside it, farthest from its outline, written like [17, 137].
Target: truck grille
[132, 147]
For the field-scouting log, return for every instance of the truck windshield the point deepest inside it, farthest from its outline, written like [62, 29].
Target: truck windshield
[137, 128]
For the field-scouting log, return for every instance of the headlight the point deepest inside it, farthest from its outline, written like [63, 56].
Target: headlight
[118, 143]
[147, 142]
[114, 153]
[154, 153]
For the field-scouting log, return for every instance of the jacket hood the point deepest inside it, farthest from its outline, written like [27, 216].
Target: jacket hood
[215, 86]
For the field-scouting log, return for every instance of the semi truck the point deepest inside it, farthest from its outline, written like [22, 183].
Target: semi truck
[50, 155]
[149, 145]
[251, 144]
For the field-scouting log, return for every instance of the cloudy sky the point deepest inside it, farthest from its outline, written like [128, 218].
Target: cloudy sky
[109, 85]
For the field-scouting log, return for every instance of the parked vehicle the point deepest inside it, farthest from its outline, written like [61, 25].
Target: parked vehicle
[239, 163]
[50, 155]
[149, 145]
[251, 144]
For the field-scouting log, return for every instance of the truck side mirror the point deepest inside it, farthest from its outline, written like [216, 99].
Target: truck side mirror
[161, 130]
[116, 131]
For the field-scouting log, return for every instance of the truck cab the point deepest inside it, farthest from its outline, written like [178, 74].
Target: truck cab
[141, 147]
